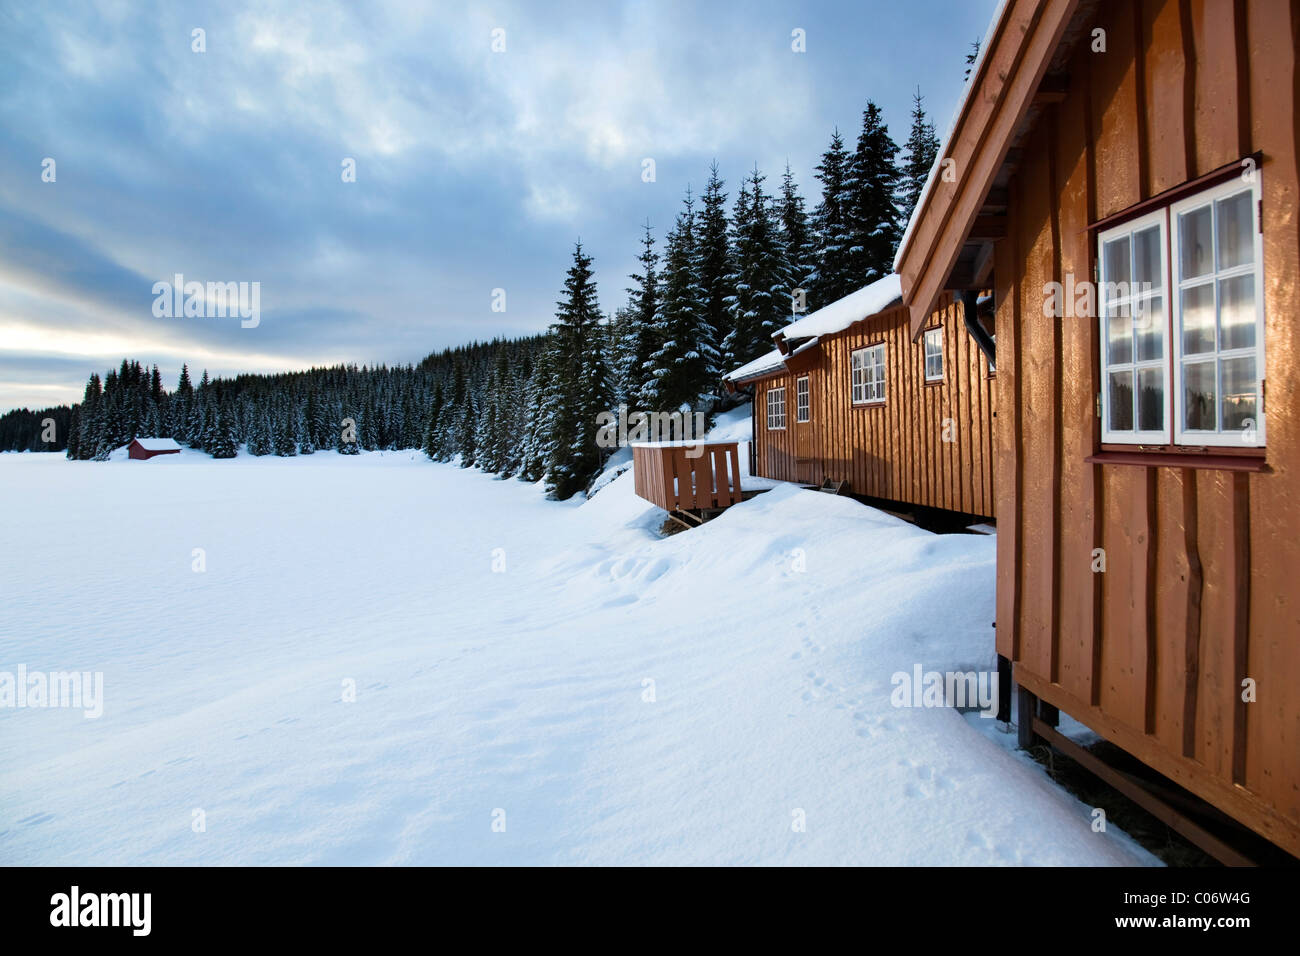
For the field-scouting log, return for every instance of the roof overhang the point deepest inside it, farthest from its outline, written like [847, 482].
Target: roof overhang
[963, 211]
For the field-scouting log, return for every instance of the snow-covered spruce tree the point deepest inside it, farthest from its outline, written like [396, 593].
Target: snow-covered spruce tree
[761, 304]
[832, 279]
[641, 333]
[433, 425]
[306, 416]
[306, 446]
[283, 443]
[921, 148]
[182, 399]
[74, 429]
[368, 426]
[685, 366]
[496, 434]
[320, 426]
[222, 443]
[714, 272]
[875, 229]
[87, 438]
[513, 418]
[536, 447]
[796, 237]
[259, 435]
[618, 357]
[582, 388]
[197, 425]
[467, 431]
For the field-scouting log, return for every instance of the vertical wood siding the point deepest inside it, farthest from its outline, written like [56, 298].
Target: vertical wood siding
[1202, 570]
[897, 450]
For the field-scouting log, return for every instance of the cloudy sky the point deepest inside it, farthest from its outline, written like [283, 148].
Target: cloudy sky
[475, 170]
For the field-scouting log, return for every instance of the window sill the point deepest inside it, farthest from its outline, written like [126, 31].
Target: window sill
[1208, 462]
[879, 404]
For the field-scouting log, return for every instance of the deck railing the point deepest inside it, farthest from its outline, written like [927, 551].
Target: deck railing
[684, 476]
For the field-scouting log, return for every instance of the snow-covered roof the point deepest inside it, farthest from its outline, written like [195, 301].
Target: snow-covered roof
[158, 444]
[854, 307]
[767, 362]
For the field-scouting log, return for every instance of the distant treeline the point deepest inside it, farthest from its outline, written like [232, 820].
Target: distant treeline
[26, 430]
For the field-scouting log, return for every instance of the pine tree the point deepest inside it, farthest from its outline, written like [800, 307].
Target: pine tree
[761, 304]
[537, 446]
[197, 424]
[433, 426]
[581, 383]
[283, 442]
[833, 278]
[180, 407]
[972, 58]
[87, 436]
[259, 435]
[714, 271]
[222, 443]
[797, 237]
[922, 147]
[306, 446]
[641, 333]
[685, 366]
[874, 227]
[74, 428]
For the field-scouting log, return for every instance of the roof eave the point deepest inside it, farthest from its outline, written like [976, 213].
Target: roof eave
[1021, 48]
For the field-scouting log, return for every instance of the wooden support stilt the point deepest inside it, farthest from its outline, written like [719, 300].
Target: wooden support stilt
[1004, 689]
[1026, 711]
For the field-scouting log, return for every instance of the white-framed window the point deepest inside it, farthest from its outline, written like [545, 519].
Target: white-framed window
[1217, 251]
[1134, 353]
[867, 368]
[802, 408]
[1182, 322]
[776, 409]
[933, 344]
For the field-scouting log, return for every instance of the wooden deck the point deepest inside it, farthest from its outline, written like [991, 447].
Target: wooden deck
[683, 477]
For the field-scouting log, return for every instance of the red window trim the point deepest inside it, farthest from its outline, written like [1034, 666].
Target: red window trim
[1172, 195]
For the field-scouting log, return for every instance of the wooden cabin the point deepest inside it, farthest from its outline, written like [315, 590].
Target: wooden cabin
[142, 449]
[848, 398]
[1148, 485]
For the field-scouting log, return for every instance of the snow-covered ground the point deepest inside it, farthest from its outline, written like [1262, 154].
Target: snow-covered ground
[720, 696]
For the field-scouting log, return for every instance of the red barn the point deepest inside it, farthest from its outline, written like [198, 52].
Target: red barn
[145, 448]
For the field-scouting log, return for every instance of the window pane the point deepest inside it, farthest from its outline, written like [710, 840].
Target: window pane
[1194, 241]
[1238, 393]
[1198, 319]
[1146, 259]
[1237, 313]
[1236, 225]
[1120, 401]
[1198, 396]
[1151, 399]
[1116, 260]
[1149, 328]
[1119, 335]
